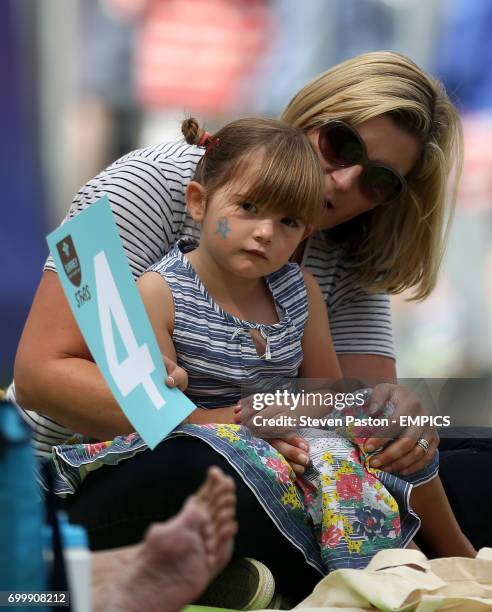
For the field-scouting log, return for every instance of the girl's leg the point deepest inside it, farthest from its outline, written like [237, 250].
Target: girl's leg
[440, 532]
[116, 504]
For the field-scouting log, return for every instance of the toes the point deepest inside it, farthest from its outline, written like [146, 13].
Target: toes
[227, 500]
[209, 535]
[217, 491]
[220, 482]
[225, 514]
[194, 514]
[217, 498]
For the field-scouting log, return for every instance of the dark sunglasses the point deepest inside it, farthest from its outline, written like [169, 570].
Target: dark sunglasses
[341, 146]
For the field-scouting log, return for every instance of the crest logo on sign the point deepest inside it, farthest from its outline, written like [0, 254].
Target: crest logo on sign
[70, 260]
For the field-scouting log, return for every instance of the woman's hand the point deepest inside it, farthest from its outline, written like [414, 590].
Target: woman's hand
[403, 455]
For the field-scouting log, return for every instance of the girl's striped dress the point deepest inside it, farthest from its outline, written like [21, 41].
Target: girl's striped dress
[342, 511]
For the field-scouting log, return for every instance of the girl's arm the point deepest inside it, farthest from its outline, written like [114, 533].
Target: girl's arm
[320, 359]
[159, 304]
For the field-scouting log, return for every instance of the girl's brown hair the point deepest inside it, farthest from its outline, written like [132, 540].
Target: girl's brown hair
[288, 178]
[399, 246]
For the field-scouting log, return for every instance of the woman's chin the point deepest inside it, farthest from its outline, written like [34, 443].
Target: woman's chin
[333, 217]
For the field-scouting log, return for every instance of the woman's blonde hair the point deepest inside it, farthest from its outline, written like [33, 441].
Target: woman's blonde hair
[288, 178]
[401, 245]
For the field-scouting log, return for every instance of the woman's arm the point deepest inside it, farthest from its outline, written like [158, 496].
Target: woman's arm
[320, 361]
[54, 372]
[368, 368]
[159, 304]
[362, 333]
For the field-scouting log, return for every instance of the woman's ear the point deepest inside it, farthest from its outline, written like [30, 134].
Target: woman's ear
[195, 201]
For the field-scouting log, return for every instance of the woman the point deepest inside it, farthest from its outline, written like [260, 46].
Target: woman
[384, 220]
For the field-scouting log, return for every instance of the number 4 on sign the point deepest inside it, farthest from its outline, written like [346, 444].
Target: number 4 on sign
[105, 302]
[137, 367]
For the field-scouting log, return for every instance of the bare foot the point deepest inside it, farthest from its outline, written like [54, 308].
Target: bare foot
[217, 496]
[177, 559]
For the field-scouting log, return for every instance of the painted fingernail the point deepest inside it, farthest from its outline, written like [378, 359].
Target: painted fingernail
[170, 381]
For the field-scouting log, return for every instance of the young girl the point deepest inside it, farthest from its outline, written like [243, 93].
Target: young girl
[238, 317]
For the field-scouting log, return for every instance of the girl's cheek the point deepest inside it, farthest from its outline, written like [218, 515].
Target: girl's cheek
[222, 227]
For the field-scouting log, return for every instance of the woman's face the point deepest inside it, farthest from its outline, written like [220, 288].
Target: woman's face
[387, 144]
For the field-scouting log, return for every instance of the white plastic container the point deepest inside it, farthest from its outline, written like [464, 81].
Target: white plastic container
[77, 561]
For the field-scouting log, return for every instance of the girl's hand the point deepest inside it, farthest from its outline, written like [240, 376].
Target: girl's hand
[176, 376]
[272, 421]
[403, 455]
[295, 450]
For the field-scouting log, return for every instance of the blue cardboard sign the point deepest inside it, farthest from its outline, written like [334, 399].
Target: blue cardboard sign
[104, 299]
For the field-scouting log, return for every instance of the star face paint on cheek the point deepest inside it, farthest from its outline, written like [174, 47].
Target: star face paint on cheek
[223, 227]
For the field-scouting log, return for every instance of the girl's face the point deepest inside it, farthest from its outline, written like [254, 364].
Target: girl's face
[241, 236]
[386, 144]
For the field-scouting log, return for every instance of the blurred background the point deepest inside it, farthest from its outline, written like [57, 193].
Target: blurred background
[84, 81]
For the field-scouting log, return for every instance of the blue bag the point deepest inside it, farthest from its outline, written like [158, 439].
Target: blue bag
[23, 512]
[21, 508]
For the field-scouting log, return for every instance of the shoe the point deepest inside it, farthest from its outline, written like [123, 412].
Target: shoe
[245, 584]
[279, 602]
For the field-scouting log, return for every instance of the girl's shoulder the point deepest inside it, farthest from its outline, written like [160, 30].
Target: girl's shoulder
[289, 273]
[174, 264]
[288, 286]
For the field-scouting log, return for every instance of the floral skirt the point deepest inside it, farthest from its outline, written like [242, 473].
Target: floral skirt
[339, 514]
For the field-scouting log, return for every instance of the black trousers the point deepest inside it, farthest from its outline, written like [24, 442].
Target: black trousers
[465, 468]
[117, 504]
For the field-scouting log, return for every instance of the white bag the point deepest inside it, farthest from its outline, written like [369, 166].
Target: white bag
[388, 583]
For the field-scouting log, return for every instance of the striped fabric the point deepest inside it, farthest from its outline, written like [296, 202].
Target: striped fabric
[146, 192]
[216, 348]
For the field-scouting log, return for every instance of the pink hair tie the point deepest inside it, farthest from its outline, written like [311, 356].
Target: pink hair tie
[203, 139]
[212, 142]
[211, 145]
